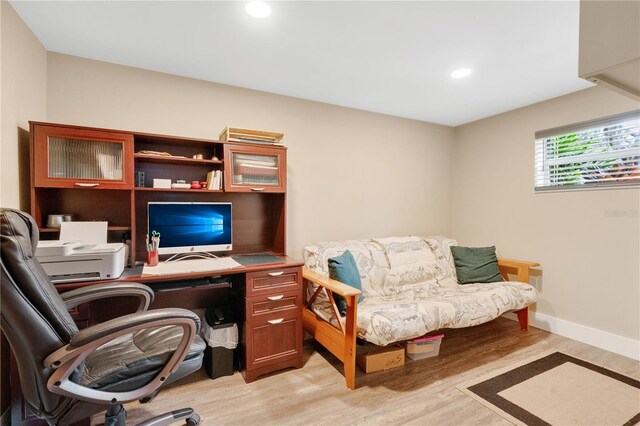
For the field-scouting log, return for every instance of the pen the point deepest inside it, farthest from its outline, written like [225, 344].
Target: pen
[155, 241]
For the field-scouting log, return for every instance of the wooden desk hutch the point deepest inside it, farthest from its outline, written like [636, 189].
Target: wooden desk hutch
[91, 174]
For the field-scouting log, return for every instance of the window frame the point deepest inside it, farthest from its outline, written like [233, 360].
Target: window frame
[542, 175]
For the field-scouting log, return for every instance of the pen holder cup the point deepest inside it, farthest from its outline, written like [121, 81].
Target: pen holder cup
[152, 258]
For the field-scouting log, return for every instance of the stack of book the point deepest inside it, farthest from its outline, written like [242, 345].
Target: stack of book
[235, 134]
[214, 180]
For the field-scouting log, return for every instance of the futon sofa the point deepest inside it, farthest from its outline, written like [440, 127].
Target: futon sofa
[410, 288]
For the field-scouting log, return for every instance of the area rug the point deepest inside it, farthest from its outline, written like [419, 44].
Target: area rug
[558, 389]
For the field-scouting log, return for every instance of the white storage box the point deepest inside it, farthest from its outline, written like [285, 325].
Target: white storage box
[424, 347]
[162, 183]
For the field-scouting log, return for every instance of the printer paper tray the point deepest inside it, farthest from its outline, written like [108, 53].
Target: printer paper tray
[77, 270]
[74, 277]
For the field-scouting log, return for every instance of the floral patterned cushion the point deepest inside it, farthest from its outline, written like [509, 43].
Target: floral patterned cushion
[410, 300]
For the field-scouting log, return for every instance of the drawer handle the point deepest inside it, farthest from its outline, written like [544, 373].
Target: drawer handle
[257, 189]
[86, 185]
[275, 297]
[276, 274]
[276, 321]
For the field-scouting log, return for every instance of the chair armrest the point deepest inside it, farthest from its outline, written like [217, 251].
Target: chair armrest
[518, 267]
[328, 283]
[66, 360]
[81, 295]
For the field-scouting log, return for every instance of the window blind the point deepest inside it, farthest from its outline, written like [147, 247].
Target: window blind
[600, 153]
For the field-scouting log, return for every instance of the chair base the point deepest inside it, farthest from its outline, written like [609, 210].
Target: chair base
[191, 418]
[117, 416]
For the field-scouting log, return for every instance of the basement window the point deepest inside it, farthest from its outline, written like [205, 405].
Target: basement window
[602, 153]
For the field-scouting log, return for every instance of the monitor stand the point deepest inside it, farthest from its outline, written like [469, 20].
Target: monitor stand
[182, 256]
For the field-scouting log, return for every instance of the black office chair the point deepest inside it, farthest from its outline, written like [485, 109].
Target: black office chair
[67, 375]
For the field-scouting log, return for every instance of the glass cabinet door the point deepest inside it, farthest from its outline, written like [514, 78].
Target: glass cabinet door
[257, 169]
[82, 159]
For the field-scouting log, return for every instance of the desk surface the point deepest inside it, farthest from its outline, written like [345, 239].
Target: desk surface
[135, 274]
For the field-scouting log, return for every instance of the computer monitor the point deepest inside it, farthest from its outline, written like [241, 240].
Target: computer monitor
[190, 227]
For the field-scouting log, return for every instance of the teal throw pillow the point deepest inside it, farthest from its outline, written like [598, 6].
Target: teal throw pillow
[343, 268]
[476, 264]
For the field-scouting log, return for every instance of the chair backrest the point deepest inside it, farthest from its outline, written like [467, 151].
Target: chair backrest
[35, 320]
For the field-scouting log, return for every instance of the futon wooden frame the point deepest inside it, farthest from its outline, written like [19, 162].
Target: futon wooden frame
[341, 340]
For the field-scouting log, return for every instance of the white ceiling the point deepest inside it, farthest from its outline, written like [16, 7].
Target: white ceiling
[390, 57]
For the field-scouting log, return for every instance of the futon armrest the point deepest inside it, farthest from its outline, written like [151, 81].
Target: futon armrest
[66, 360]
[82, 295]
[335, 286]
[330, 287]
[340, 338]
[516, 263]
[520, 268]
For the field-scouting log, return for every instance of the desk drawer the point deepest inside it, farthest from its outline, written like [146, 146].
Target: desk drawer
[274, 281]
[275, 338]
[278, 302]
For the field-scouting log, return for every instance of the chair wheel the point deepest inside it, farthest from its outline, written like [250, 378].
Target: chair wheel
[194, 420]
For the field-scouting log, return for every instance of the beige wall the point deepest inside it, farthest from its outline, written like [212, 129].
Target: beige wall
[351, 174]
[604, 46]
[588, 242]
[23, 91]
[22, 98]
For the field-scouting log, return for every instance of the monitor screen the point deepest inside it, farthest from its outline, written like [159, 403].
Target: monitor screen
[190, 227]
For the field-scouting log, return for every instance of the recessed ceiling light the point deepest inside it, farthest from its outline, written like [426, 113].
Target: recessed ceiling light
[461, 73]
[258, 9]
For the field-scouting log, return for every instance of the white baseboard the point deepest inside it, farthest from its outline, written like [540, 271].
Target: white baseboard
[591, 336]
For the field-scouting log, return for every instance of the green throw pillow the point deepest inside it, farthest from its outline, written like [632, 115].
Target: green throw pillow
[476, 264]
[343, 268]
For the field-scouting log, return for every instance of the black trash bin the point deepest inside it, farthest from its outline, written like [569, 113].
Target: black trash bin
[221, 336]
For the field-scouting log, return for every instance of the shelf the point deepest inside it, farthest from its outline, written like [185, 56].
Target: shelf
[175, 160]
[204, 191]
[109, 229]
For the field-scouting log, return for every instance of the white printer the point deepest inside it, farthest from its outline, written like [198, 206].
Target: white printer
[81, 254]
[76, 261]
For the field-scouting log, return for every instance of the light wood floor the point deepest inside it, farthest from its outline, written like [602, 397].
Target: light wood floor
[420, 393]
